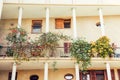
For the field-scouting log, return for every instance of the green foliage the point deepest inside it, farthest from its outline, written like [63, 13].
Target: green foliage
[17, 38]
[16, 35]
[49, 42]
[103, 47]
[80, 50]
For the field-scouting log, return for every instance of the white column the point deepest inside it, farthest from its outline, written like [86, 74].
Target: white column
[108, 71]
[46, 71]
[77, 71]
[101, 22]
[47, 20]
[74, 23]
[116, 74]
[1, 6]
[13, 71]
[20, 17]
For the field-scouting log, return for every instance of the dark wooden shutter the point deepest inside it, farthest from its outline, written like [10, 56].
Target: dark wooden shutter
[92, 75]
[59, 23]
[112, 74]
[67, 47]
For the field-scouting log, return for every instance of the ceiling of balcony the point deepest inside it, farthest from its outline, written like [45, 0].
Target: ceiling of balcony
[10, 11]
[96, 63]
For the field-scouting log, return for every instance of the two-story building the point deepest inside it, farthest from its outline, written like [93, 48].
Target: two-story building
[75, 18]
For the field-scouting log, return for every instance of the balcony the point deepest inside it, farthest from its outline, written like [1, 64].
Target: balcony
[34, 51]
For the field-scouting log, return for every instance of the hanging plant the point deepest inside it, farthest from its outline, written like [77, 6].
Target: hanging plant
[103, 47]
[80, 50]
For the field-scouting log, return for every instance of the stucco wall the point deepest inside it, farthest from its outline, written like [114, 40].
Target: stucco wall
[86, 27]
[4, 75]
[52, 75]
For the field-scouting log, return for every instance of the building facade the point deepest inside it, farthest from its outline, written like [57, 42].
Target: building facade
[75, 18]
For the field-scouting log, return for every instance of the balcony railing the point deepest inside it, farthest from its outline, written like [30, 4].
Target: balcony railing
[63, 1]
[59, 52]
[33, 52]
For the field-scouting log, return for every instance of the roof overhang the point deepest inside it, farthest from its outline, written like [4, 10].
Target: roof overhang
[10, 11]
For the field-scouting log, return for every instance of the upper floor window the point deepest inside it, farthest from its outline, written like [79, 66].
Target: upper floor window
[36, 26]
[62, 23]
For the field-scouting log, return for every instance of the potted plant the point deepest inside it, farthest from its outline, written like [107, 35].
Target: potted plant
[80, 49]
[103, 47]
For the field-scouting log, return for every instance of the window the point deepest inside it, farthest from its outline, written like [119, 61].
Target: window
[62, 23]
[36, 26]
[84, 75]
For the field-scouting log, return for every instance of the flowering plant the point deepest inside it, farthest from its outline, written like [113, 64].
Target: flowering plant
[103, 47]
[16, 35]
[17, 38]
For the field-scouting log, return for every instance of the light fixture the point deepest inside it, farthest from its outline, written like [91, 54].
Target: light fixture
[68, 76]
[98, 24]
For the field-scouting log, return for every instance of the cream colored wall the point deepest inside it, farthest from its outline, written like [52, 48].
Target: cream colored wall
[86, 27]
[112, 28]
[1, 5]
[4, 75]
[52, 75]
[92, 2]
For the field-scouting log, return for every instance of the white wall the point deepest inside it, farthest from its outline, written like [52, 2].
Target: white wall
[1, 5]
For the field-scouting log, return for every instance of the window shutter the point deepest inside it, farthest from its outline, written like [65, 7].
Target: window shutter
[112, 74]
[67, 47]
[92, 75]
[59, 23]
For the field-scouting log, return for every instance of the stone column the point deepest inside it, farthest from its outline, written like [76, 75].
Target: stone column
[47, 20]
[20, 17]
[74, 23]
[108, 71]
[46, 71]
[1, 6]
[101, 22]
[77, 71]
[13, 71]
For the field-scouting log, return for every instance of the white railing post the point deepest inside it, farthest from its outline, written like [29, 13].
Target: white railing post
[20, 17]
[1, 6]
[47, 20]
[108, 71]
[77, 71]
[13, 71]
[74, 23]
[46, 71]
[101, 22]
